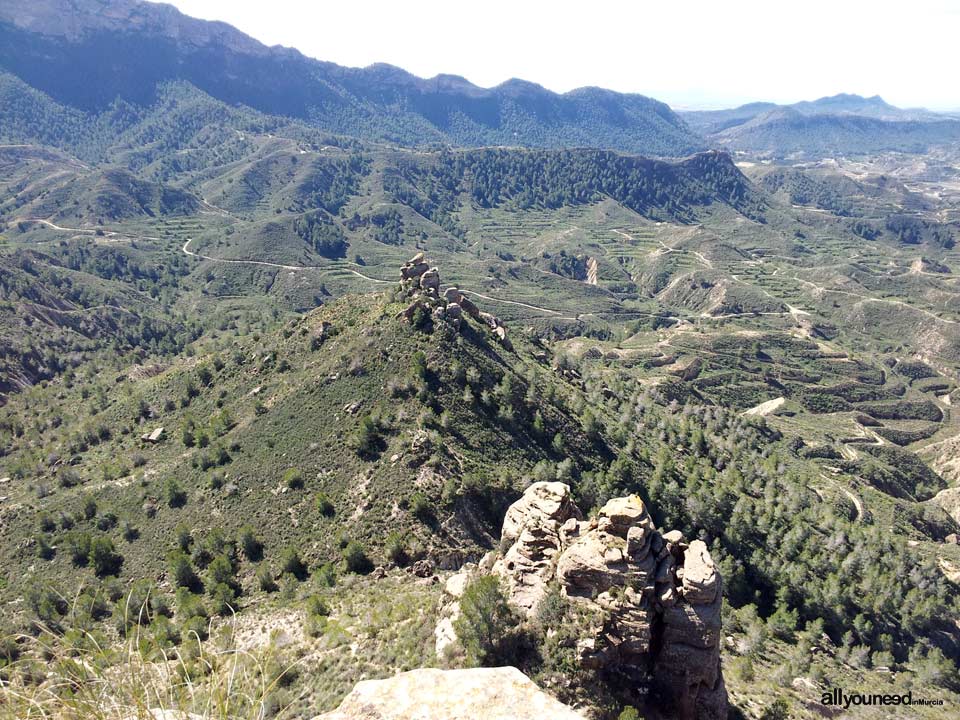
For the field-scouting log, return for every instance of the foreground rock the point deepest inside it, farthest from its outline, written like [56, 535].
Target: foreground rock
[652, 600]
[477, 694]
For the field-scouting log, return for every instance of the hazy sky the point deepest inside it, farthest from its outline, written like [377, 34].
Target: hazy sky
[690, 53]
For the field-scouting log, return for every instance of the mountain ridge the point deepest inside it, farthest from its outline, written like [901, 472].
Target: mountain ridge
[70, 49]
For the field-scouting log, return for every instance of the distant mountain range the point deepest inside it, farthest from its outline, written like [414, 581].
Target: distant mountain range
[840, 124]
[88, 53]
[102, 59]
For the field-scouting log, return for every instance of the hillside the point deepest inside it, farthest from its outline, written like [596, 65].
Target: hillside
[69, 50]
[351, 438]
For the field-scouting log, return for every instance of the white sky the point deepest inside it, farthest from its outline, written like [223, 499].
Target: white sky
[689, 53]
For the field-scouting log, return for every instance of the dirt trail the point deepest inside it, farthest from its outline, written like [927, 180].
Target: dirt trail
[322, 268]
[853, 498]
[89, 231]
[867, 298]
[765, 408]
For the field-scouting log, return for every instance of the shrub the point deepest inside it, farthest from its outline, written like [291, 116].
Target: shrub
[221, 572]
[356, 558]
[89, 507]
[291, 563]
[181, 570]
[325, 505]
[777, 710]
[44, 550]
[293, 479]
[107, 521]
[130, 532]
[251, 545]
[223, 599]
[485, 621]
[265, 578]
[184, 538]
[326, 575]
[78, 545]
[103, 557]
[175, 494]
[421, 507]
[316, 606]
[396, 548]
[367, 438]
[68, 478]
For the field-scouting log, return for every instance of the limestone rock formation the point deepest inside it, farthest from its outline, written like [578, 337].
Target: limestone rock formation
[534, 529]
[422, 283]
[502, 693]
[653, 600]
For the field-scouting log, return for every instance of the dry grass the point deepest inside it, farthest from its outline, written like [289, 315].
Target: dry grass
[141, 679]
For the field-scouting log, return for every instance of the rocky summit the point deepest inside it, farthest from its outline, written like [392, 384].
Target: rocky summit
[421, 283]
[650, 601]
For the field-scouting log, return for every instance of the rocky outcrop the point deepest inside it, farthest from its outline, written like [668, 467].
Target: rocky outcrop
[652, 600]
[534, 531]
[949, 500]
[502, 693]
[422, 283]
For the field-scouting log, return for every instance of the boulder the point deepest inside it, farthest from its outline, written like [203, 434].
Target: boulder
[430, 281]
[502, 693]
[700, 578]
[469, 307]
[543, 501]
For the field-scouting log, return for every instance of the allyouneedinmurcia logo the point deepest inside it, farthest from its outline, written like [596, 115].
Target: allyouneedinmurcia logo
[840, 698]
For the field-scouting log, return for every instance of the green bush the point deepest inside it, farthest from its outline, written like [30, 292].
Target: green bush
[396, 548]
[485, 621]
[181, 570]
[175, 494]
[223, 599]
[251, 545]
[325, 505]
[778, 710]
[316, 606]
[421, 507]
[293, 479]
[221, 572]
[366, 440]
[265, 578]
[292, 564]
[103, 557]
[356, 558]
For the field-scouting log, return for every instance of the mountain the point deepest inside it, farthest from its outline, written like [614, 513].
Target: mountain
[86, 54]
[837, 125]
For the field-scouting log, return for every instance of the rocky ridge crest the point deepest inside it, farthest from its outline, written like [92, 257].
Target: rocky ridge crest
[421, 282]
